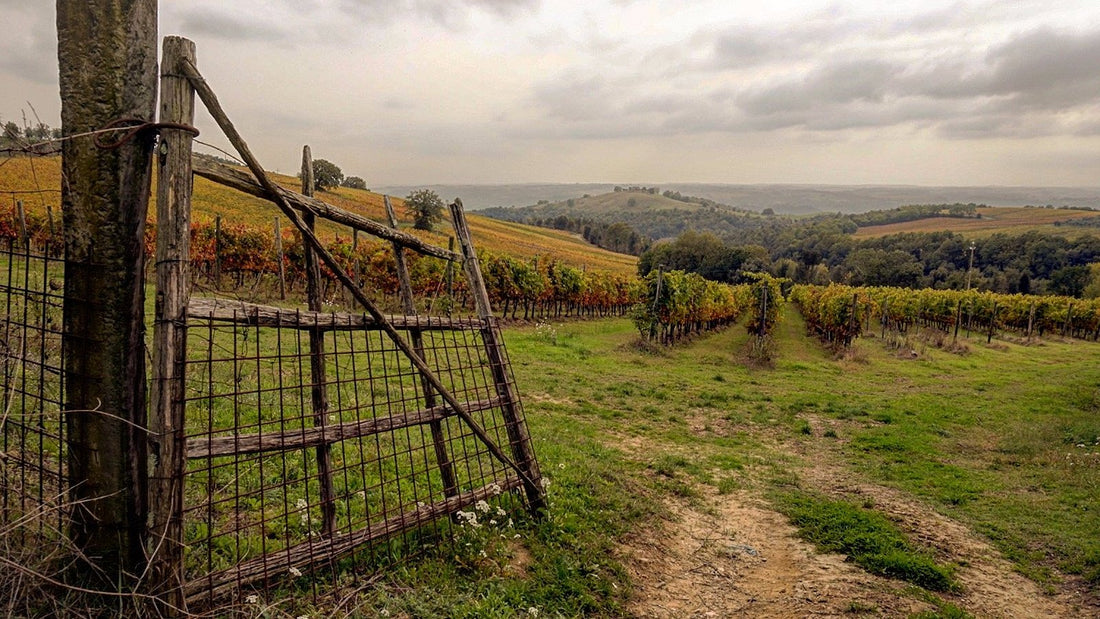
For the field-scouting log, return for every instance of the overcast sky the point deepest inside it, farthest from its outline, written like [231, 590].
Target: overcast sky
[504, 91]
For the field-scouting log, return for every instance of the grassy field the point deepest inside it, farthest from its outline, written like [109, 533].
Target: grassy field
[43, 176]
[1000, 441]
[994, 219]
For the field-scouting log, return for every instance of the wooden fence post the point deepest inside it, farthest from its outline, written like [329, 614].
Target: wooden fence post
[317, 362]
[519, 440]
[173, 251]
[408, 301]
[107, 61]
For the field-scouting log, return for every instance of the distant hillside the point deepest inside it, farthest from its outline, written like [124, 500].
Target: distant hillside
[42, 177]
[782, 199]
[476, 197]
[806, 199]
[993, 220]
[651, 214]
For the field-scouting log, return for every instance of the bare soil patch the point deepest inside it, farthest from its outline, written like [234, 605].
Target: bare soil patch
[736, 558]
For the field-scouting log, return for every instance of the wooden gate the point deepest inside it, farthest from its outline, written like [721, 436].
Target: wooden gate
[288, 439]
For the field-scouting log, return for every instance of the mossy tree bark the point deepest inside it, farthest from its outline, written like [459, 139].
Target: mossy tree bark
[107, 56]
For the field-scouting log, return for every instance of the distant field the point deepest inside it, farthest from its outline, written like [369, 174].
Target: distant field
[43, 175]
[994, 219]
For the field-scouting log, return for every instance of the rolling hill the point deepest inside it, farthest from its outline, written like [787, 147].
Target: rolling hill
[993, 220]
[37, 181]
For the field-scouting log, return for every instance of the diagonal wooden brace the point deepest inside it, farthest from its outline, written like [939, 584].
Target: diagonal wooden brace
[277, 195]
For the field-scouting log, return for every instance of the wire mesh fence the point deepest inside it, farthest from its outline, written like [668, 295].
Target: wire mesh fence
[290, 470]
[33, 488]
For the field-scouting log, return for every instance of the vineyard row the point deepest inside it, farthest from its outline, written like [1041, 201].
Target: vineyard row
[838, 314]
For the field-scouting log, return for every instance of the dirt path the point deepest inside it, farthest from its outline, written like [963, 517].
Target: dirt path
[737, 558]
[733, 556]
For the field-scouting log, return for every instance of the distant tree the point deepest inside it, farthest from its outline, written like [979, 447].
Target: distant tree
[12, 131]
[326, 174]
[1070, 281]
[425, 207]
[354, 182]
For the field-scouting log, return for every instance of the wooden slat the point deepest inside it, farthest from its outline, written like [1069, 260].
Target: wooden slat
[240, 312]
[323, 435]
[301, 556]
[242, 181]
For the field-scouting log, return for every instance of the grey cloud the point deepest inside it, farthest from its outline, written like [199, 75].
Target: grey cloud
[843, 82]
[29, 47]
[449, 14]
[1046, 61]
[222, 25]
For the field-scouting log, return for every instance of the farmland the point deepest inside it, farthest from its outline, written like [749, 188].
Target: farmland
[993, 220]
[676, 475]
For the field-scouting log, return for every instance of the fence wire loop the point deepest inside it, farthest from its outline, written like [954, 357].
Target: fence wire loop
[134, 127]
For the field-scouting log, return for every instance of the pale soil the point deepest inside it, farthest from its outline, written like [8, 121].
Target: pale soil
[733, 556]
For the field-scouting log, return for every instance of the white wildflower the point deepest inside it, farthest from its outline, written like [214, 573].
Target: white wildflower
[561, 465]
[545, 482]
[482, 507]
[493, 522]
[295, 572]
[301, 504]
[534, 612]
[252, 599]
[501, 512]
[361, 494]
[495, 488]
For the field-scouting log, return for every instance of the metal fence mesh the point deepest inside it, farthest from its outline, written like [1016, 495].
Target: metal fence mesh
[277, 484]
[32, 446]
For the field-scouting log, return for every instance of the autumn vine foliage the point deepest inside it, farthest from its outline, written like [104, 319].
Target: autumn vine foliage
[238, 256]
[767, 303]
[837, 314]
[677, 304]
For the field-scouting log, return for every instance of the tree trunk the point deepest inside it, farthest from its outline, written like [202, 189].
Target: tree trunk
[107, 58]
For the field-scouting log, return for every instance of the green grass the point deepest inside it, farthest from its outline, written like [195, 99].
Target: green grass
[867, 537]
[1003, 440]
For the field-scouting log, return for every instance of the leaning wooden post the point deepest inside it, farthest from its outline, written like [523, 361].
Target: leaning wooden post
[107, 61]
[317, 366]
[279, 258]
[518, 437]
[165, 546]
[408, 301]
